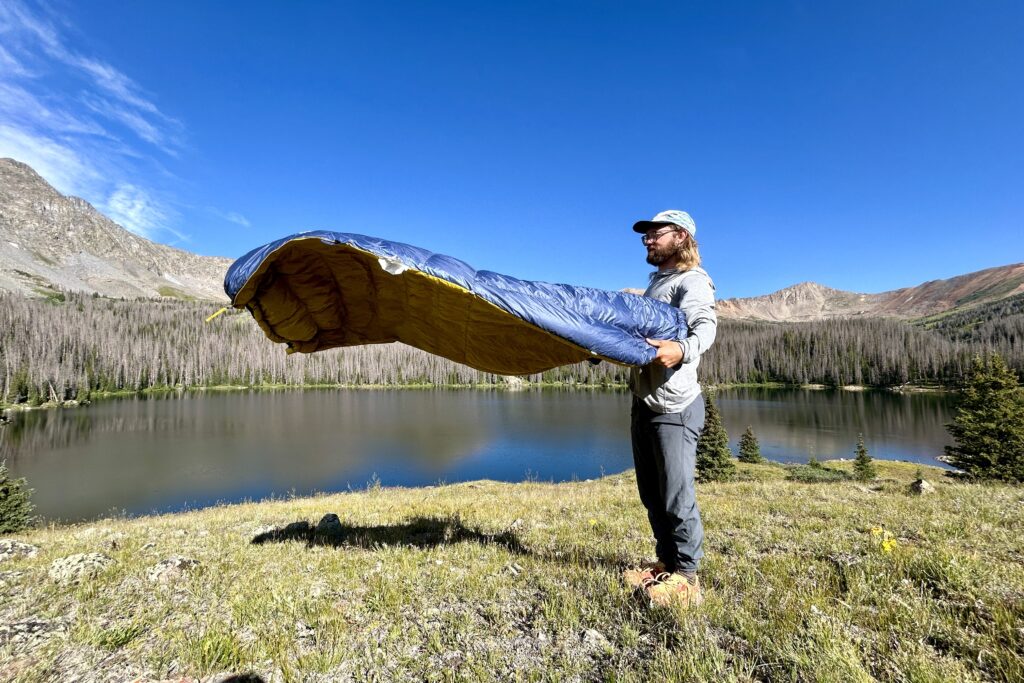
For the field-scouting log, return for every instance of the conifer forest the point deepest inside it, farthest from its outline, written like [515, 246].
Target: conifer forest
[71, 345]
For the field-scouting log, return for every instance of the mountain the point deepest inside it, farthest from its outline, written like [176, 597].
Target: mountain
[811, 301]
[49, 241]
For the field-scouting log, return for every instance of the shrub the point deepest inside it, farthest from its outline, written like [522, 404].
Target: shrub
[750, 450]
[714, 459]
[863, 467]
[15, 506]
[816, 473]
[988, 427]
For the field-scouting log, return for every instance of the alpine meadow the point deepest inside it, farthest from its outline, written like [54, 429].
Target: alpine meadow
[548, 342]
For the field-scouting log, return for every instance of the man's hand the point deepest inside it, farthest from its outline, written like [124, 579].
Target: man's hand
[670, 353]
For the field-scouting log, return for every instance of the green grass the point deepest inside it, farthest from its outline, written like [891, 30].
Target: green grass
[51, 295]
[809, 474]
[995, 291]
[971, 310]
[843, 581]
[165, 290]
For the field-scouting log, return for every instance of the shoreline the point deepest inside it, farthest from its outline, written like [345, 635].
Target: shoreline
[511, 386]
[939, 470]
[748, 473]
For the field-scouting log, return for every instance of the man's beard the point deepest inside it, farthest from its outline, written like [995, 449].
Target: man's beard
[659, 255]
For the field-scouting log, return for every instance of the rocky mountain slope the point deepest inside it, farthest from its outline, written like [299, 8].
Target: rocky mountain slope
[49, 241]
[811, 301]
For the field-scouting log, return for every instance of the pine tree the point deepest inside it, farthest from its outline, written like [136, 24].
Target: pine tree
[714, 459]
[863, 467]
[989, 423]
[15, 507]
[750, 450]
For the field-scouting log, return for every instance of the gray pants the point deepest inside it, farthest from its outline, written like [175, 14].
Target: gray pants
[665, 456]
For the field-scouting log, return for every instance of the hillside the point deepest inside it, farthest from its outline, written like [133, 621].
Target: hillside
[811, 301]
[51, 242]
[486, 581]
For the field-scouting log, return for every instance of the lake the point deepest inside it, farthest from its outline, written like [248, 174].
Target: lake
[158, 454]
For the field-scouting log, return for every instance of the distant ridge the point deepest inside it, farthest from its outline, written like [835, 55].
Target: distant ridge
[49, 241]
[811, 301]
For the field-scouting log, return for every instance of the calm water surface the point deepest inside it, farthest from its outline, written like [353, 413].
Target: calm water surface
[164, 454]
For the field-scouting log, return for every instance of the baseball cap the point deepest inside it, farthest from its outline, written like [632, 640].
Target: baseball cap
[670, 217]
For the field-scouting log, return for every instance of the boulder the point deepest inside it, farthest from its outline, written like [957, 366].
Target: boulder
[329, 527]
[77, 568]
[171, 569]
[593, 638]
[921, 487]
[10, 549]
[30, 633]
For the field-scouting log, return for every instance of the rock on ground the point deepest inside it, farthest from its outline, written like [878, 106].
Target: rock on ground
[10, 548]
[171, 569]
[593, 638]
[28, 634]
[329, 527]
[75, 568]
[922, 487]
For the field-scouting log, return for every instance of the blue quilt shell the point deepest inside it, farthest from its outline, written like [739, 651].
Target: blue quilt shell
[611, 325]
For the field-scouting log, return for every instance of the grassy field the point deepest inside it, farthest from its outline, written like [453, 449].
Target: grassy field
[488, 581]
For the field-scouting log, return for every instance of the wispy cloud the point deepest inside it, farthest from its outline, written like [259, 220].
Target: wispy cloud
[16, 19]
[10, 66]
[132, 120]
[20, 107]
[81, 122]
[57, 163]
[116, 83]
[231, 216]
[236, 217]
[135, 209]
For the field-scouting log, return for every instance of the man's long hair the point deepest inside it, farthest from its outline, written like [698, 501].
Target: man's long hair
[689, 255]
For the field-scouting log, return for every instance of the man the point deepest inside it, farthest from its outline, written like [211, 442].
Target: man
[668, 413]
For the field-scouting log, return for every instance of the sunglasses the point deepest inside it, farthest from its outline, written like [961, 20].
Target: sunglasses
[655, 236]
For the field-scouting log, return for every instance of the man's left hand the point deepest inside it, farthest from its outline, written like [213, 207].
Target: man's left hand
[670, 353]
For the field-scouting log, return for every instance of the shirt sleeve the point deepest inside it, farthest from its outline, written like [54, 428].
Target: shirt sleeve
[697, 301]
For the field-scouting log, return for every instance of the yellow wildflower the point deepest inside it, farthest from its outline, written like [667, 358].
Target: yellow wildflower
[888, 545]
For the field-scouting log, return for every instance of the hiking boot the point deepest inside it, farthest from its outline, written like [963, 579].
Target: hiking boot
[675, 589]
[639, 577]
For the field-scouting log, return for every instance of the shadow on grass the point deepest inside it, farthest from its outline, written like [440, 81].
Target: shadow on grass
[425, 532]
[421, 532]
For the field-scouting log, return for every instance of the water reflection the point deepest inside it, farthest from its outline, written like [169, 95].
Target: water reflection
[140, 455]
[792, 424]
[168, 453]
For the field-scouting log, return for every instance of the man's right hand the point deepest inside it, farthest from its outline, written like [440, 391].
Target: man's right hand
[670, 353]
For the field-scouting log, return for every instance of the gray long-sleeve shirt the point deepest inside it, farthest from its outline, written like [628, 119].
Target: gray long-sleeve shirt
[670, 390]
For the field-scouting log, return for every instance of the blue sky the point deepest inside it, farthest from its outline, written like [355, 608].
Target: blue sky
[865, 146]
